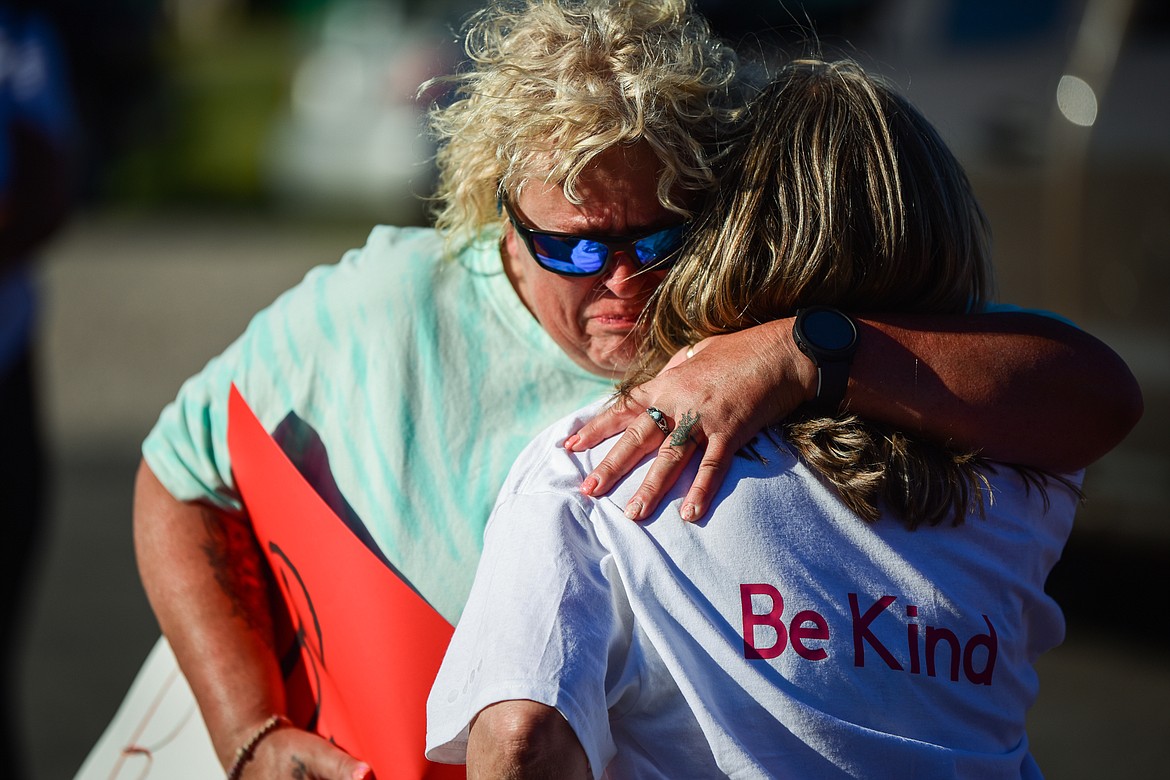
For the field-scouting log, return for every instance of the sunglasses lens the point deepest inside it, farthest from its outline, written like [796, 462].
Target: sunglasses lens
[658, 245]
[572, 256]
[579, 256]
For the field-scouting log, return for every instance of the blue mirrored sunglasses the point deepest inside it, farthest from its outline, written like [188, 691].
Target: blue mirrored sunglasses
[568, 254]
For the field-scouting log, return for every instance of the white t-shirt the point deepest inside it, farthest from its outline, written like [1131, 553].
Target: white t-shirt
[781, 637]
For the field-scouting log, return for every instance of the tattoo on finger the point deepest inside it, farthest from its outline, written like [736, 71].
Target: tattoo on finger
[682, 432]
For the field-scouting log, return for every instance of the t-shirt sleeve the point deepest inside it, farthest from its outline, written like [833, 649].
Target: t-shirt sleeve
[540, 624]
[187, 448]
[273, 363]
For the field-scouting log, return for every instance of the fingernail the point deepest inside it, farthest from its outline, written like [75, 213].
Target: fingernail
[571, 442]
[363, 772]
[589, 485]
[688, 512]
[633, 509]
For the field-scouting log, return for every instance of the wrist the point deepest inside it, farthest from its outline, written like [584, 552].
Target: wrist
[801, 371]
[247, 750]
[791, 376]
[828, 338]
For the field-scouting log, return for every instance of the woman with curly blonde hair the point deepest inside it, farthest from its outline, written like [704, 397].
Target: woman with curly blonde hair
[404, 380]
[823, 621]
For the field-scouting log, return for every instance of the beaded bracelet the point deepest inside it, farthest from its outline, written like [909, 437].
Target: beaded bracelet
[248, 749]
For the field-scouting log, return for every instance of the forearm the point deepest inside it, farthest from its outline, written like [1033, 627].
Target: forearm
[1020, 388]
[207, 584]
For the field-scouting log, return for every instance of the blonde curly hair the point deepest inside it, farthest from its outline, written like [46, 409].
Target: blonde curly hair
[553, 84]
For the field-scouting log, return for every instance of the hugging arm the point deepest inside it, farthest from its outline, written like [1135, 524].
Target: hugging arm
[209, 587]
[1019, 388]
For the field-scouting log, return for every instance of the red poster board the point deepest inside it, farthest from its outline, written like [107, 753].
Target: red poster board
[363, 648]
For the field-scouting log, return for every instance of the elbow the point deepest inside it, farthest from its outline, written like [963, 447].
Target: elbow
[1116, 411]
[1110, 402]
[1130, 408]
[523, 739]
[1121, 406]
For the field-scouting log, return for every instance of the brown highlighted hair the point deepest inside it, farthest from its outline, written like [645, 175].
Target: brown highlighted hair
[837, 192]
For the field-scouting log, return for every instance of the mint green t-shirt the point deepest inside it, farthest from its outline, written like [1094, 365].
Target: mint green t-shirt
[402, 385]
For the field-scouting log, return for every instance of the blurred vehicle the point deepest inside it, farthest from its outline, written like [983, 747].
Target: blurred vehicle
[351, 142]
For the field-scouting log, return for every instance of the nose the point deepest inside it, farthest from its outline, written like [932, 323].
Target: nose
[623, 278]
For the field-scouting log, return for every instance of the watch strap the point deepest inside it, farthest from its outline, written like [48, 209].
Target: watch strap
[832, 358]
[832, 381]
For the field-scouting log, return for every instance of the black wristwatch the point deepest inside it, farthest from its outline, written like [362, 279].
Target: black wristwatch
[829, 338]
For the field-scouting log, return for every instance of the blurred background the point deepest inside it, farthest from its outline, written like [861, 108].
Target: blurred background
[226, 146]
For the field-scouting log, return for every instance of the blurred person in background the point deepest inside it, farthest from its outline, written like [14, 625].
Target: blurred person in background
[421, 364]
[36, 174]
[115, 71]
[861, 602]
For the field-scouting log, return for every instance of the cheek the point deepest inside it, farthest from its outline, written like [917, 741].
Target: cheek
[564, 302]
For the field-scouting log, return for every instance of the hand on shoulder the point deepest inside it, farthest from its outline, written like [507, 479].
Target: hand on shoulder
[712, 398]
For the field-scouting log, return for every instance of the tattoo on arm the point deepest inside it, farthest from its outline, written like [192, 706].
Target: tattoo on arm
[682, 432]
[240, 570]
[299, 770]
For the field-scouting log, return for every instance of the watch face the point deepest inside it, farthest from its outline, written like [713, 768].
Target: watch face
[829, 330]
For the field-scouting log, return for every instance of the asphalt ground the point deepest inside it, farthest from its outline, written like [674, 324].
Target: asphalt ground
[136, 303]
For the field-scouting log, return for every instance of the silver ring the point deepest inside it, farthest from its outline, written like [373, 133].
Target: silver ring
[691, 352]
[659, 419]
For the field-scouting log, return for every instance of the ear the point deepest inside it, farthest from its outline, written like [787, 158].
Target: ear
[510, 243]
[513, 255]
